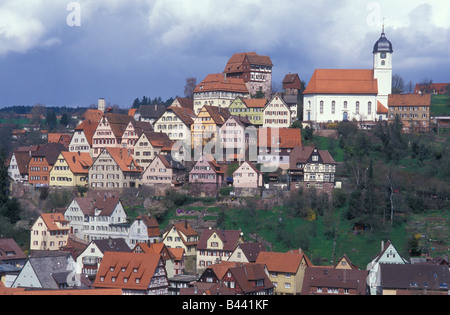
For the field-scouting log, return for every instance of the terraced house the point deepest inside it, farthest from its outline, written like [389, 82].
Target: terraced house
[82, 137]
[42, 162]
[207, 125]
[176, 123]
[109, 132]
[149, 145]
[252, 109]
[71, 169]
[114, 168]
[277, 114]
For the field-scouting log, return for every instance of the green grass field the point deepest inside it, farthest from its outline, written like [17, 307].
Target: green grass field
[439, 105]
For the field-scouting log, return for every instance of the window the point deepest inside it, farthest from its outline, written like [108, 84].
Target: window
[321, 107]
[333, 107]
[357, 107]
[369, 108]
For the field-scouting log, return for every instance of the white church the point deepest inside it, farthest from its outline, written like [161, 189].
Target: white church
[335, 95]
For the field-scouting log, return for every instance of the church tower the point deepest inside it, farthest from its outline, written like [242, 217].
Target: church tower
[382, 67]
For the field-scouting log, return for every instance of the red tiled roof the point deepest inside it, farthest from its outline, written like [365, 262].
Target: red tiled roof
[326, 81]
[132, 271]
[283, 262]
[381, 109]
[235, 63]
[78, 162]
[409, 100]
[287, 138]
[218, 82]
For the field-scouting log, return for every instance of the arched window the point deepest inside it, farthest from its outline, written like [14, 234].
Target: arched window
[345, 105]
[345, 118]
[357, 107]
[333, 107]
[369, 108]
[321, 107]
[383, 63]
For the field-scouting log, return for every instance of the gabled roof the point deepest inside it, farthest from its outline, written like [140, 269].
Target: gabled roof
[151, 224]
[415, 276]
[184, 102]
[211, 161]
[254, 102]
[50, 220]
[252, 250]
[112, 245]
[22, 159]
[325, 277]
[157, 139]
[94, 115]
[409, 100]
[251, 272]
[240, 120]
[335, 81]
[9, 250]
[151, 111]
[283, 138]
[46, 265]
[292, 81]
[283, 262]
[186, 115]
[218, 82]
[169, 162]
[123, 159]
[50, 151]
[250, 164]
[118, 123]
[235, 63]
[381, 109]
[384, 249]
[218, 115]
[88, 127]
[230, 238]
[137, 275]
[105, 205]
[78, 162]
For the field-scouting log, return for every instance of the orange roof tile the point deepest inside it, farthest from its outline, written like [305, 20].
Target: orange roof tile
[218, 82]
[124, 160]
[381, 109]
[409, 100]
[235, 63]
[78, 162]
[326, 81]
[279, 137]
[283, 262]
[50, 220]
[132, 271]
[255, 102]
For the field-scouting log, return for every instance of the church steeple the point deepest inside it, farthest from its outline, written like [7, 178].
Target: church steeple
[382, 65]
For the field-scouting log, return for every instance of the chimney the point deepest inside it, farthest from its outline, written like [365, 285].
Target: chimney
[382, 245]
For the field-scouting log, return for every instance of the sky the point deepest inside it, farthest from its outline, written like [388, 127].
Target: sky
[71, 53]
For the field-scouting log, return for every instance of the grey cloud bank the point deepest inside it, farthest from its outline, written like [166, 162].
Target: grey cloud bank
[126, 49]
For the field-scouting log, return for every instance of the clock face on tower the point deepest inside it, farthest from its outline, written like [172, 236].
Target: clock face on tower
[383, 55]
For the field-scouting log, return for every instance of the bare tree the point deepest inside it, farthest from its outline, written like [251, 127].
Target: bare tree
[191, 84]
[398, 84]
[37, 111]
